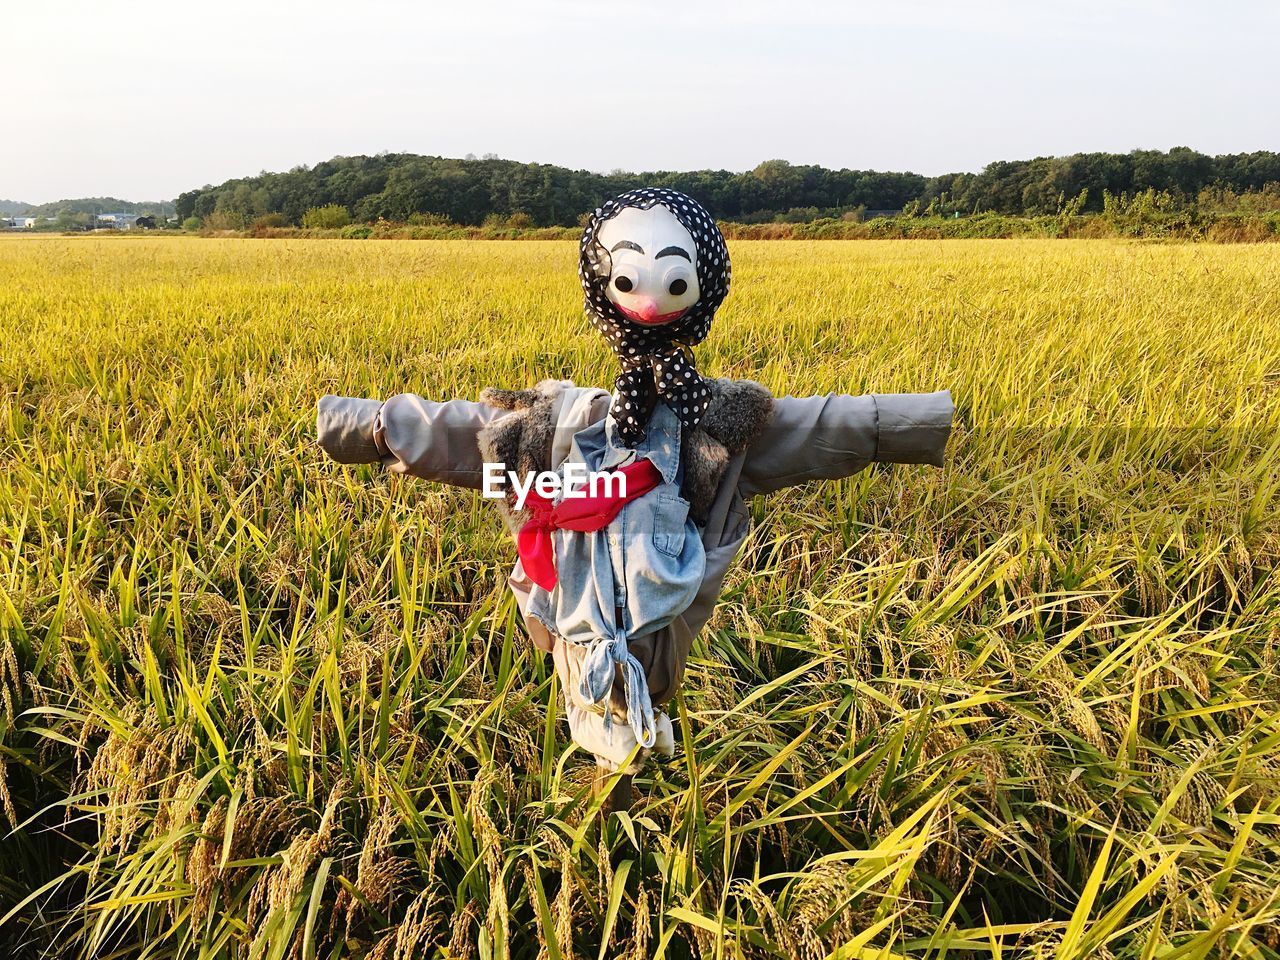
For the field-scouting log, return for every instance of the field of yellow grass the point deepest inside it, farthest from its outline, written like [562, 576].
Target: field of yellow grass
[256, 704]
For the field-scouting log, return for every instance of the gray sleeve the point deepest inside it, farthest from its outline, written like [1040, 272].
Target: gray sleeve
[836, 435]
[407, 434]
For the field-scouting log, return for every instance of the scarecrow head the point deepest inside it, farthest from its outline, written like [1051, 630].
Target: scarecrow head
[654, 268]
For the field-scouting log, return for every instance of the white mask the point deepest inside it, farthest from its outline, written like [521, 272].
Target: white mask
[655, 265]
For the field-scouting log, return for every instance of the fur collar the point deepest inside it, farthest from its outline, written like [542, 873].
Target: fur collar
[739, 411]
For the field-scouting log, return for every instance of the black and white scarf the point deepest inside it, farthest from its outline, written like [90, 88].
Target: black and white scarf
[656, 361]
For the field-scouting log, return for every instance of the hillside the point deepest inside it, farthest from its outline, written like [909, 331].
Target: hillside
[94, 205]
[401, 186]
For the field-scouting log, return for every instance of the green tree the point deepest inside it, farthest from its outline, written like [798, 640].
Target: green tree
[331, 216]
[69, 219]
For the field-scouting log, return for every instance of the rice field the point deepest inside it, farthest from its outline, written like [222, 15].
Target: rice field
[255, 704]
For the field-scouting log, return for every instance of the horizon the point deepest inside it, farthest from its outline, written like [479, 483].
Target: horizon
[309, 165]
[159, 99]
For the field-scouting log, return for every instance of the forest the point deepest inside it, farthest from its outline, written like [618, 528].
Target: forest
[402, 187]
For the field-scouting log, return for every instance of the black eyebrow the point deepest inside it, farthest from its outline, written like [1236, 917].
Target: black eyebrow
[626, 245]
[673, 252]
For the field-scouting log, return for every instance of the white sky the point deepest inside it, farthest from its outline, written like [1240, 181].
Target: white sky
[142, 99]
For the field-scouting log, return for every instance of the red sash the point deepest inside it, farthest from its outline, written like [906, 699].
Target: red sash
[585, 514]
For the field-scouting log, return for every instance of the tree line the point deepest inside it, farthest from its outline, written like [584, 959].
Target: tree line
[96, 205]
[407, 188]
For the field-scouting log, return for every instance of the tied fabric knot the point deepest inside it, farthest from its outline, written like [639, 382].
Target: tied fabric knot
[581, 513]
[596, 685]
[668, 373]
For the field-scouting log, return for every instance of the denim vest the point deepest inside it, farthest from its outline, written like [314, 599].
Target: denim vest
[631, 578]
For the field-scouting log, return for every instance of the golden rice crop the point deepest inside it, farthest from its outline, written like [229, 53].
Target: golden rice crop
[255, 704]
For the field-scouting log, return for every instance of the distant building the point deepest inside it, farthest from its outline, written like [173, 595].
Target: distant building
[20, 223]
[115, 221]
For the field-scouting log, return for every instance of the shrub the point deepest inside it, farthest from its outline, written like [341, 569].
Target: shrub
[270, 220]
[191, 224]
[269, 225]
[357, 231]
[429, 220]
[331, 216]
[224, 220]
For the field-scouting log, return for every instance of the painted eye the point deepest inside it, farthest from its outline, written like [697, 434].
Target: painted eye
[680, 281]
[622, 284]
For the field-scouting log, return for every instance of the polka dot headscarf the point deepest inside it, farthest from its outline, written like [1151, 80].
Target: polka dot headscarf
[657, 362]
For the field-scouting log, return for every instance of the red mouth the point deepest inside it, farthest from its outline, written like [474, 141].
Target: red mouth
[653, 321]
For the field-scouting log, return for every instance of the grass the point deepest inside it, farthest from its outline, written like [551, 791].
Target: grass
[255, 704]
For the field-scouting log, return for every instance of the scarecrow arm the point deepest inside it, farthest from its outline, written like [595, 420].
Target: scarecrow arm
[407, 434]
[837, 435]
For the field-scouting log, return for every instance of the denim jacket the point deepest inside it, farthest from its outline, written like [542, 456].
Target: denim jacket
[629, 579]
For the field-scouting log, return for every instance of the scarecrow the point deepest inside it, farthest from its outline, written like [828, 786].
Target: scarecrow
[615, 585]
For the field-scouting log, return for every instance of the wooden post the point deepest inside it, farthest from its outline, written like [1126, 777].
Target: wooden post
[617, 799]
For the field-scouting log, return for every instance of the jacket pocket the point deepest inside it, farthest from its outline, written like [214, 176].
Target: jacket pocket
[669, 516]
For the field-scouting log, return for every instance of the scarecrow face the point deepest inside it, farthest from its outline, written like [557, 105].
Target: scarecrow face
[655, 277]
